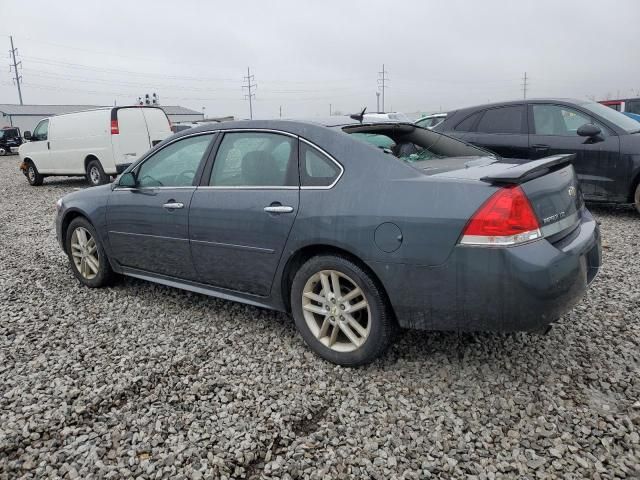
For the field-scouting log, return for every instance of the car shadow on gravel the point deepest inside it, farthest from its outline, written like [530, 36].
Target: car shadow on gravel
[64, 183]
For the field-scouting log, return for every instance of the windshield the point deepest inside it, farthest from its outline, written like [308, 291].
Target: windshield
[618, 119]
[413, 144]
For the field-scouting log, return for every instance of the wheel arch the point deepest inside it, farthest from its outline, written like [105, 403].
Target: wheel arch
[634, 187]
[303, 254]
[90, 158]
[69, 216]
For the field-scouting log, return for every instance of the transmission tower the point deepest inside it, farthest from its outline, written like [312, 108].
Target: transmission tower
[249, 79]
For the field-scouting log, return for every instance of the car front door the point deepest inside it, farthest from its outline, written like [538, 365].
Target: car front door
[597, 164]
[502, 130]
[241, 215]
[38, 148]
[149, 224]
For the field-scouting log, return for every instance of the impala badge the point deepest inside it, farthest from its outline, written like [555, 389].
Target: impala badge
[572, 191]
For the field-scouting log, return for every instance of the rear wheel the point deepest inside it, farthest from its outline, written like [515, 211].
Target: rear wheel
[33, 177]
[637, 198]
[340, 311]
[95, 173]
[88, 259]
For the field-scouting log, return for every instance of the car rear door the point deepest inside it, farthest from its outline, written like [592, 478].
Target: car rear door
[149, 225]
[597, 164]
[502, 130]
[241, 215]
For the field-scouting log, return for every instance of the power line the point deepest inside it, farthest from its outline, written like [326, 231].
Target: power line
[17, 77]
[525, 84]
[249, 78]
[382, 83]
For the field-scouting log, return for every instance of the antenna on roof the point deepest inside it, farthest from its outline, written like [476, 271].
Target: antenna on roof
[359, 116]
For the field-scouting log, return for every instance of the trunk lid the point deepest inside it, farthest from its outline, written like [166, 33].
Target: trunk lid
[550, 184]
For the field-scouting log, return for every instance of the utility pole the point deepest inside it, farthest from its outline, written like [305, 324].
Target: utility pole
[249, 78]
[382, 83]
[280, 111]
[329, 109]
[525, 84]
[377, 101]
[17, 78]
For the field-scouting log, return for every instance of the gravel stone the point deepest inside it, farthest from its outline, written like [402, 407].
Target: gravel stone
[143, 381]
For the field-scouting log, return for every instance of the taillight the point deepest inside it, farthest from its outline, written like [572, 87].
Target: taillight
[114, 127]
[505, 219]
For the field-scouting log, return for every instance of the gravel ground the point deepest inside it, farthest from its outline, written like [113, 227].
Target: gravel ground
[145, 381]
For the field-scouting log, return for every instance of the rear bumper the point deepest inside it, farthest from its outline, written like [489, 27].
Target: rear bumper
[497, 289]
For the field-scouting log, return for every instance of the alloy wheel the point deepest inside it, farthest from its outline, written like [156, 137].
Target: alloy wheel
[32, 173]
[84, 252]
[336, 311]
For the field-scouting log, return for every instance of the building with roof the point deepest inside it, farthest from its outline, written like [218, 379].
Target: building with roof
[26, 117]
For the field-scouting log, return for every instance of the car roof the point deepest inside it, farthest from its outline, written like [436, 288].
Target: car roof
[574, 101]
[295, 124]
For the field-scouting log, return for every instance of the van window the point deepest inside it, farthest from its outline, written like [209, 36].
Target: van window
[42, 131]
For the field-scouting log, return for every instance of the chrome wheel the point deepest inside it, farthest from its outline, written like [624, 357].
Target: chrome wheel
[94, 175]
[336, 311]
[84, 252]
[31, 173]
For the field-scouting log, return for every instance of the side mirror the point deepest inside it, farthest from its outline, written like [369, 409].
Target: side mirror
[27, 135]
[128, 180]
[589, 130]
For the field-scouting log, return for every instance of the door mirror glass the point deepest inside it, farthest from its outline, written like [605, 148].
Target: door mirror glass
[27, 135]
[128, 180]
[589, 130]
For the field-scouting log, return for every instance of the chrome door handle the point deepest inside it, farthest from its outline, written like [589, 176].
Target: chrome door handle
[173, 205]
[278, 209]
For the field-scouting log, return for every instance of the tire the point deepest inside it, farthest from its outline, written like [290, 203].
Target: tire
[636, 198]
[83, 269]
[95, 173]
[33, 176]
[318, 325]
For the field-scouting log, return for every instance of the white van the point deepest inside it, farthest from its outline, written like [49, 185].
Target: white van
[93, 143]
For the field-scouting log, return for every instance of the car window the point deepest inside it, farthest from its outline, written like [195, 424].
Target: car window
[255, 159]
[467, 124]
[502, 120]
[42, 131]
[632, 106]
[316, 169]
[424, 123]
[557, 120]
[175, 165]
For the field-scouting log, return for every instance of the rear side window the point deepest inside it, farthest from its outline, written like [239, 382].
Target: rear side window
[502, 120]
[467, 124]
[316, 169]
[255, 159]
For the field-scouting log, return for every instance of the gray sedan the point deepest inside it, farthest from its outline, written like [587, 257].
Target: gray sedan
[355, 228]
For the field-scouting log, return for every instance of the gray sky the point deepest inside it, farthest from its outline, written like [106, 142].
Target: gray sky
[306, 55]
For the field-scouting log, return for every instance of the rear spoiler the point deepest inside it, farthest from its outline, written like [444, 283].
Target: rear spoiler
[526, 171]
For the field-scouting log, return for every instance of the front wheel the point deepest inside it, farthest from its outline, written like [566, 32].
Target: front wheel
[33, 176]
[95, 173]
[341, 311]
[88, 259]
